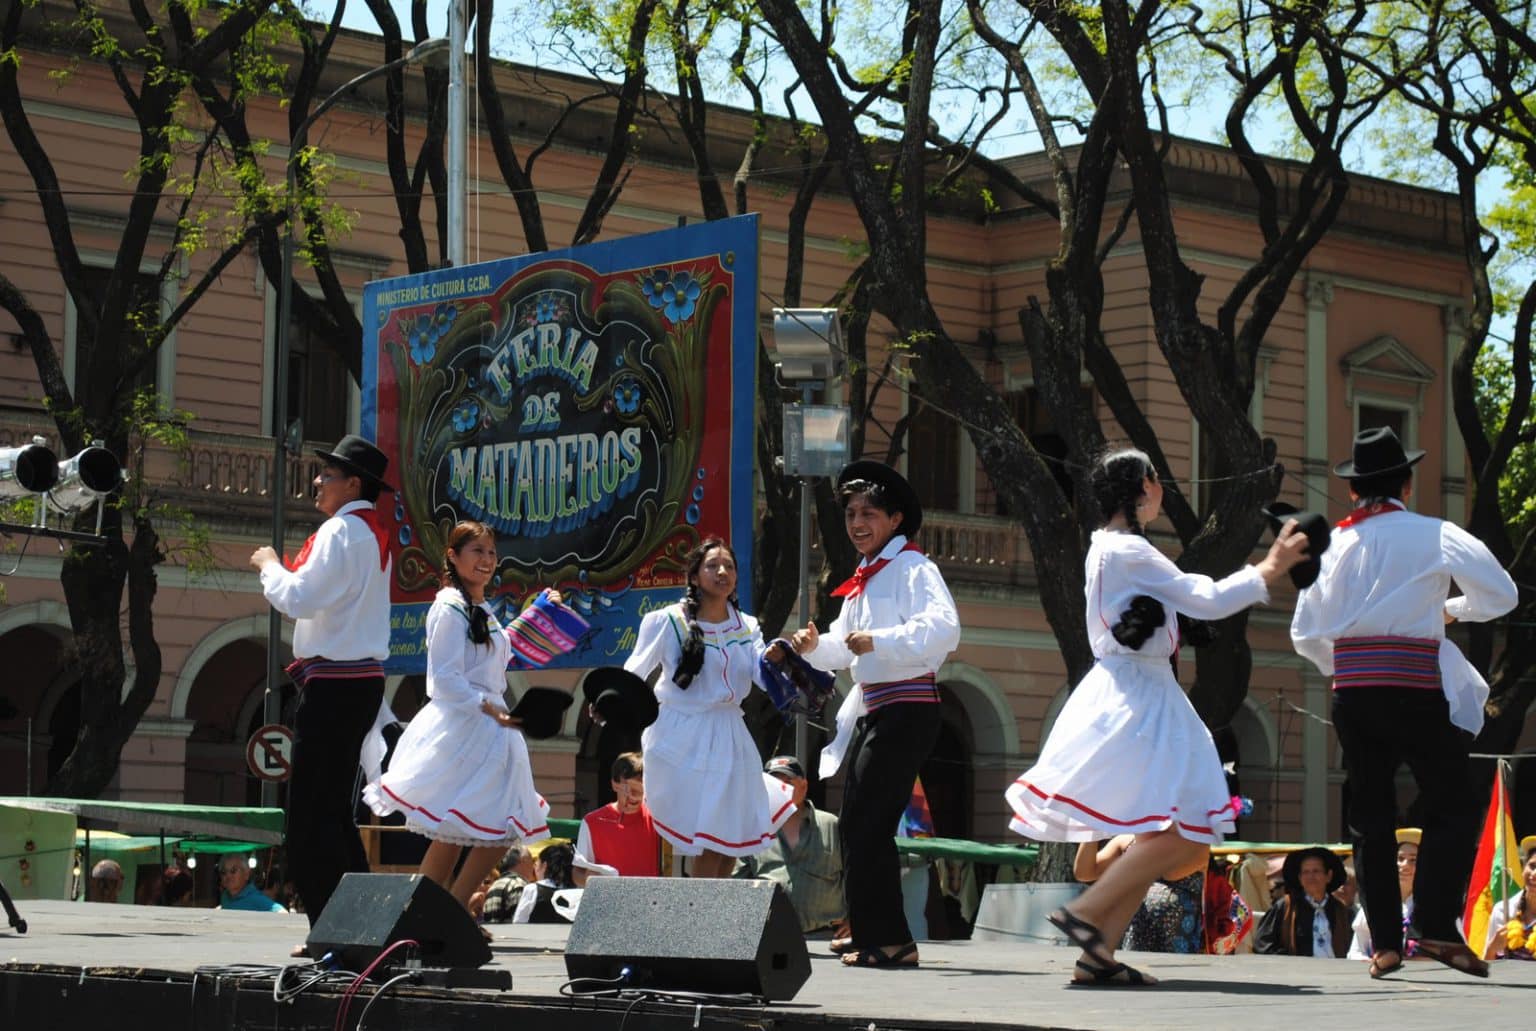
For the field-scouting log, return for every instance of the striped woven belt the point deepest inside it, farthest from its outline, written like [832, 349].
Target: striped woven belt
[917, 689]
[1412, 662]
[304, 670]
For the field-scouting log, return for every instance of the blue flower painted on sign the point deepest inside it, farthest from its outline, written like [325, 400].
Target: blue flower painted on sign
[442, 317]
[626, 396]
[465, 415]
[682, 296]
[654, 287]
[545, 308]
[421, 338]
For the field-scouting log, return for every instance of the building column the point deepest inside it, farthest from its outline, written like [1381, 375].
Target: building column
[1453, 475]
[1314, 759]
[1314, 460]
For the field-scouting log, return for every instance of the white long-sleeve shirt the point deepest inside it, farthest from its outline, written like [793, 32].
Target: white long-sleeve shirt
[907, 609]
[339, 597]
[1389, 576]
[460, 672]
[1122, 565]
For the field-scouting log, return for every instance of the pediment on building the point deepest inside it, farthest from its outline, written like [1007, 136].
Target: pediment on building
[1385, 357]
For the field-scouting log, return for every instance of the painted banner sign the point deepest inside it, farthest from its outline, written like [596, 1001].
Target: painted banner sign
[594, 406]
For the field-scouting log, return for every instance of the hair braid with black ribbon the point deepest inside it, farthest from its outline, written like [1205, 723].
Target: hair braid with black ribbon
[462, 534]
[693, 644]
[1119, 480]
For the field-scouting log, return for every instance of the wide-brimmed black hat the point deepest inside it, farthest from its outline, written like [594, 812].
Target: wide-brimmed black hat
[620, 697]
[897, 490]
[1319, 536]
[542, 710]
[1290, 871]
[359, 456]
[1377, 450]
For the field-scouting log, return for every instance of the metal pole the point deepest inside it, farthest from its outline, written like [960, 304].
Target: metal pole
[802, 723]
[458, 188]
[271, 707]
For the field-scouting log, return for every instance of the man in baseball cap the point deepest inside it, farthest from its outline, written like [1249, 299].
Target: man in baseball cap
[806, 857]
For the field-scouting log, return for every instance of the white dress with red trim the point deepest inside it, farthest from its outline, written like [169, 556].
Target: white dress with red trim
[1128, 754]
[704, 779]
[457, 774]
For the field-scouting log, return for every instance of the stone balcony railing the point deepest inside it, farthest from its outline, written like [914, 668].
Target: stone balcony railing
[226, 480]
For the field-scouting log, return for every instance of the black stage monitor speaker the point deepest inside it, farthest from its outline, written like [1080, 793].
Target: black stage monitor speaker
[724, 937]
[370, 911]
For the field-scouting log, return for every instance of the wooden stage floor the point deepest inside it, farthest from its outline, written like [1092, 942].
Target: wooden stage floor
[121, 967]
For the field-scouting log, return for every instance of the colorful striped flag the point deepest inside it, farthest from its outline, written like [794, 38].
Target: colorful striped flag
[1496, 872]
[916, 819]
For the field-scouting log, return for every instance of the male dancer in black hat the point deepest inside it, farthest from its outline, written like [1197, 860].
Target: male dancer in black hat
[1375, 621]
[337, 593]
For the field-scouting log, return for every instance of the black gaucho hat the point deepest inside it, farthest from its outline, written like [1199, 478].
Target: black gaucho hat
[1319, 536]
[620, 697]
[1377, 450]
[897, 490]
[359, 457]
[1290, 871]
[542, 710]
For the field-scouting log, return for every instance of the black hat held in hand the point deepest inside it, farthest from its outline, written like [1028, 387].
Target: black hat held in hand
[620, 697]
[542, 710]
[1319, 536]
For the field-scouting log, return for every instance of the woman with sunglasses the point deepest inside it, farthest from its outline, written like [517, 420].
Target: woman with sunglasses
[460, 772]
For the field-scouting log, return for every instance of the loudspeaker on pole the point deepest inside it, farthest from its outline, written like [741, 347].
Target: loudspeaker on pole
[724, 937]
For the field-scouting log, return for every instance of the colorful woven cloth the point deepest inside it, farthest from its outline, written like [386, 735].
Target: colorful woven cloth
[545, 629]
[1386, 662]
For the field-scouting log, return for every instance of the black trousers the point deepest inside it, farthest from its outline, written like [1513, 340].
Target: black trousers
[329, 725]
[888, 748]
[1381, 729]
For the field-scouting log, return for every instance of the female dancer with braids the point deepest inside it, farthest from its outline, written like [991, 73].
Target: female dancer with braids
[1128, 753]
[460, 772]
[704, 781]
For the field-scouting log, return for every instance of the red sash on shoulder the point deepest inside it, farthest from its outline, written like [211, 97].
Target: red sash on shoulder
[854, 585]
[370, 519]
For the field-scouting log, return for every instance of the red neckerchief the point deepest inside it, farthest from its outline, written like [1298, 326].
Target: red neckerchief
[854, 585]
[371, 520]
[1365, 512]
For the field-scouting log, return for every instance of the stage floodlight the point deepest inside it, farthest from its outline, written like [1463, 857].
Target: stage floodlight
[28, 469]
[807, 344]
[85, 479]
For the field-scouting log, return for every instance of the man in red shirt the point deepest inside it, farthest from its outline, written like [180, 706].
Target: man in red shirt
[618, 839]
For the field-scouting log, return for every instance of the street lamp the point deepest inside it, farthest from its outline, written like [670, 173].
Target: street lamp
[807, 351]
[272, 702]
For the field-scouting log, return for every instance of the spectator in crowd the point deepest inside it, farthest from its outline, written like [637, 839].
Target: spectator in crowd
[620, 838]
[1408, 839]
[805, 857]
[1513, 919]
[552, 869]
[1169, 917]
[176, 887]
[1307, 920]
[502, 897]
[236, 891]
[106, 882]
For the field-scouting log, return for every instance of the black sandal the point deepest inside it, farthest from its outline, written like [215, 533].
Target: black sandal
[1084, 935]
[1380, 969]
[880, 958]
[1117, 976]
[1455, 955]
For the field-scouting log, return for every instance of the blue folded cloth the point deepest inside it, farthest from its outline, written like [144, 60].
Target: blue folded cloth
[795, 686]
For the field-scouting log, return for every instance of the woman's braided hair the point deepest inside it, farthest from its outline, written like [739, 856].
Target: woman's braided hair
[460, 535]
[1118, 481]
[693, 645]
[559, 861]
